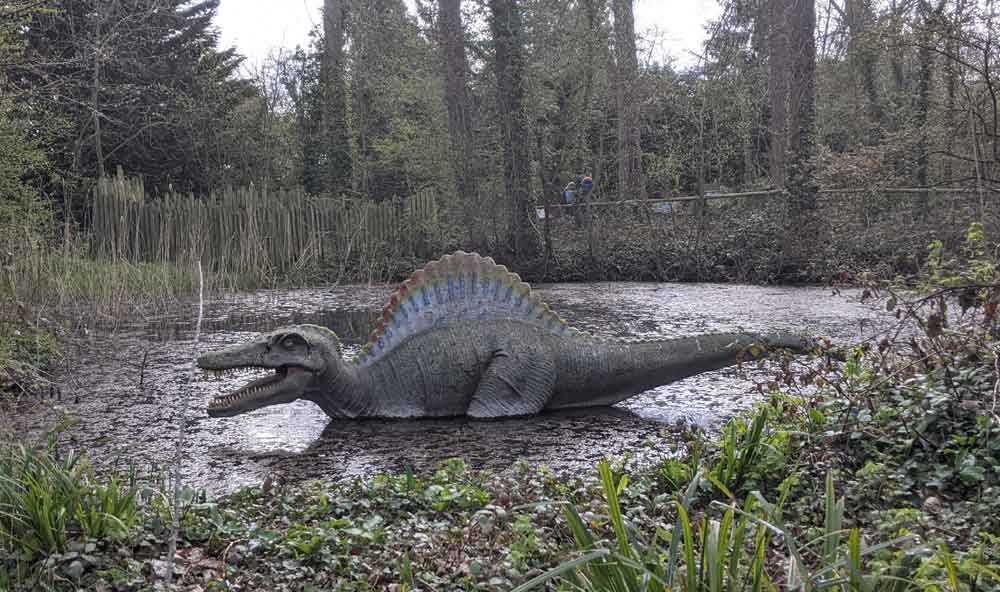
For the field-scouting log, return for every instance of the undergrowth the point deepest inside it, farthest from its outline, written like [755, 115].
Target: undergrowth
[878, 473]
[881, 473]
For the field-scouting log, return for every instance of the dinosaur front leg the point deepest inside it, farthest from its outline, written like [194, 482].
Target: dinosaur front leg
[518, 383]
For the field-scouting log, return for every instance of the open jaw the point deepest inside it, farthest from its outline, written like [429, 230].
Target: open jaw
[285, 384]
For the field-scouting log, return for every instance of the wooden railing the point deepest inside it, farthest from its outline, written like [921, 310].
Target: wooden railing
[862, 205]
[254, 229]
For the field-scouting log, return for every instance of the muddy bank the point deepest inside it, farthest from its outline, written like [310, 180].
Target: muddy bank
[123, 385]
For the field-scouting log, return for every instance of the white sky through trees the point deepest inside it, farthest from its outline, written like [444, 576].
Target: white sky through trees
[255, 27]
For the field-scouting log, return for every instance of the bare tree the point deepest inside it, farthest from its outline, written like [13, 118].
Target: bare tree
[863, 54]
[799, 176]
[595, 54]
[777, 88]
[508, 62]
[335, 131]
[928, 39]
[630, 181]
[95, 91]
[456, 99]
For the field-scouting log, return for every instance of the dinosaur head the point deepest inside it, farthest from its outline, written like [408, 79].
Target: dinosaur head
[299, 356]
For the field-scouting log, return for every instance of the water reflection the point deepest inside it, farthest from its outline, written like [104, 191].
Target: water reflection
[126, 384]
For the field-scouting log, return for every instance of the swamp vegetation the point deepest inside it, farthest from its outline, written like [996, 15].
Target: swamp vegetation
[881, 473]
[878, 473]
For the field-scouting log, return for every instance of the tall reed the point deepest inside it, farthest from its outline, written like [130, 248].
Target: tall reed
[253, 232]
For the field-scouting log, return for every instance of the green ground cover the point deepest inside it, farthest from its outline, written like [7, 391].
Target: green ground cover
[881, 473]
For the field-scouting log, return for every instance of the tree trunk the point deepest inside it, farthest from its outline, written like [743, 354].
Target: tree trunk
[594, 124]
[951, 89]
[363, 27]
[556, 140]
[456, 99]
[864, 59]
[95, 105]
[505, 23]
[799, 178]
[922, 104]
[630, 182]
[377, 30]
[777, 88]
[334, 113]
[899, 13]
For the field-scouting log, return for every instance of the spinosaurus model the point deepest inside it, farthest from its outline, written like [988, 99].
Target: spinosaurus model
[464, 336]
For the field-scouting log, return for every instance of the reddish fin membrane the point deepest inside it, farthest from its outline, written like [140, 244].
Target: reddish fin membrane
[461, 287]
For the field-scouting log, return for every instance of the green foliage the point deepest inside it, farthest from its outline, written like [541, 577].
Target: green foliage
[748, 454]
[46, 499]
[27, 351]
[975, 263]
[942, 443]
[733, 553]
[27, 346]
[25, 219]
[164, 91]
[917, 422]
[20, 155]
[526, 545]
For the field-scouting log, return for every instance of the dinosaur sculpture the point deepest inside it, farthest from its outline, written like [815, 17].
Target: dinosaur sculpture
[464, 336]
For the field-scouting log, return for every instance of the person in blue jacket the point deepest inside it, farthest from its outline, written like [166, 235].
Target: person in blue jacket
[569, 192]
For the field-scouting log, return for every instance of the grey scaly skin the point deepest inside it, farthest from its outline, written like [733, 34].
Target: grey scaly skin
[486, 369]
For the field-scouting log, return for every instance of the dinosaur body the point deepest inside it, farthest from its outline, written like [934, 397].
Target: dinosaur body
[464, 336]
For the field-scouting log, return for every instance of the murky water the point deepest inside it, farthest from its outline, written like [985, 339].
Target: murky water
[125, 385]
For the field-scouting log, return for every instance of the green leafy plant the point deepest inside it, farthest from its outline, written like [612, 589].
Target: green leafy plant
[732, 553]
[46, 498]
[747, 450]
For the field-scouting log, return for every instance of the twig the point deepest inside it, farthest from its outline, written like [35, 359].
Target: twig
[951, 289]
[142, 368]
[225, 554]
[996, 384]
[181, 429]
[993, 417]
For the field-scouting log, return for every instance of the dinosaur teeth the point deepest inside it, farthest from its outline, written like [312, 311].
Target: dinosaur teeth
[258, 390]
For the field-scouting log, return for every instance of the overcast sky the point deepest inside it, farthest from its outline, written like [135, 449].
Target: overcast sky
[257, 26]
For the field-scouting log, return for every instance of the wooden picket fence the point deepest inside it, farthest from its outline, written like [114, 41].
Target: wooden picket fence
[252, 229]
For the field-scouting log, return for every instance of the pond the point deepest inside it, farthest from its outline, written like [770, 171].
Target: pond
[122, 385]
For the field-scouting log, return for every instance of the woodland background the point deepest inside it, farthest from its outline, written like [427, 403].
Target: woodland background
[494, 105]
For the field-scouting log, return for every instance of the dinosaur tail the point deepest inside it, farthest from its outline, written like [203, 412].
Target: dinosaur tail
[604, 373]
